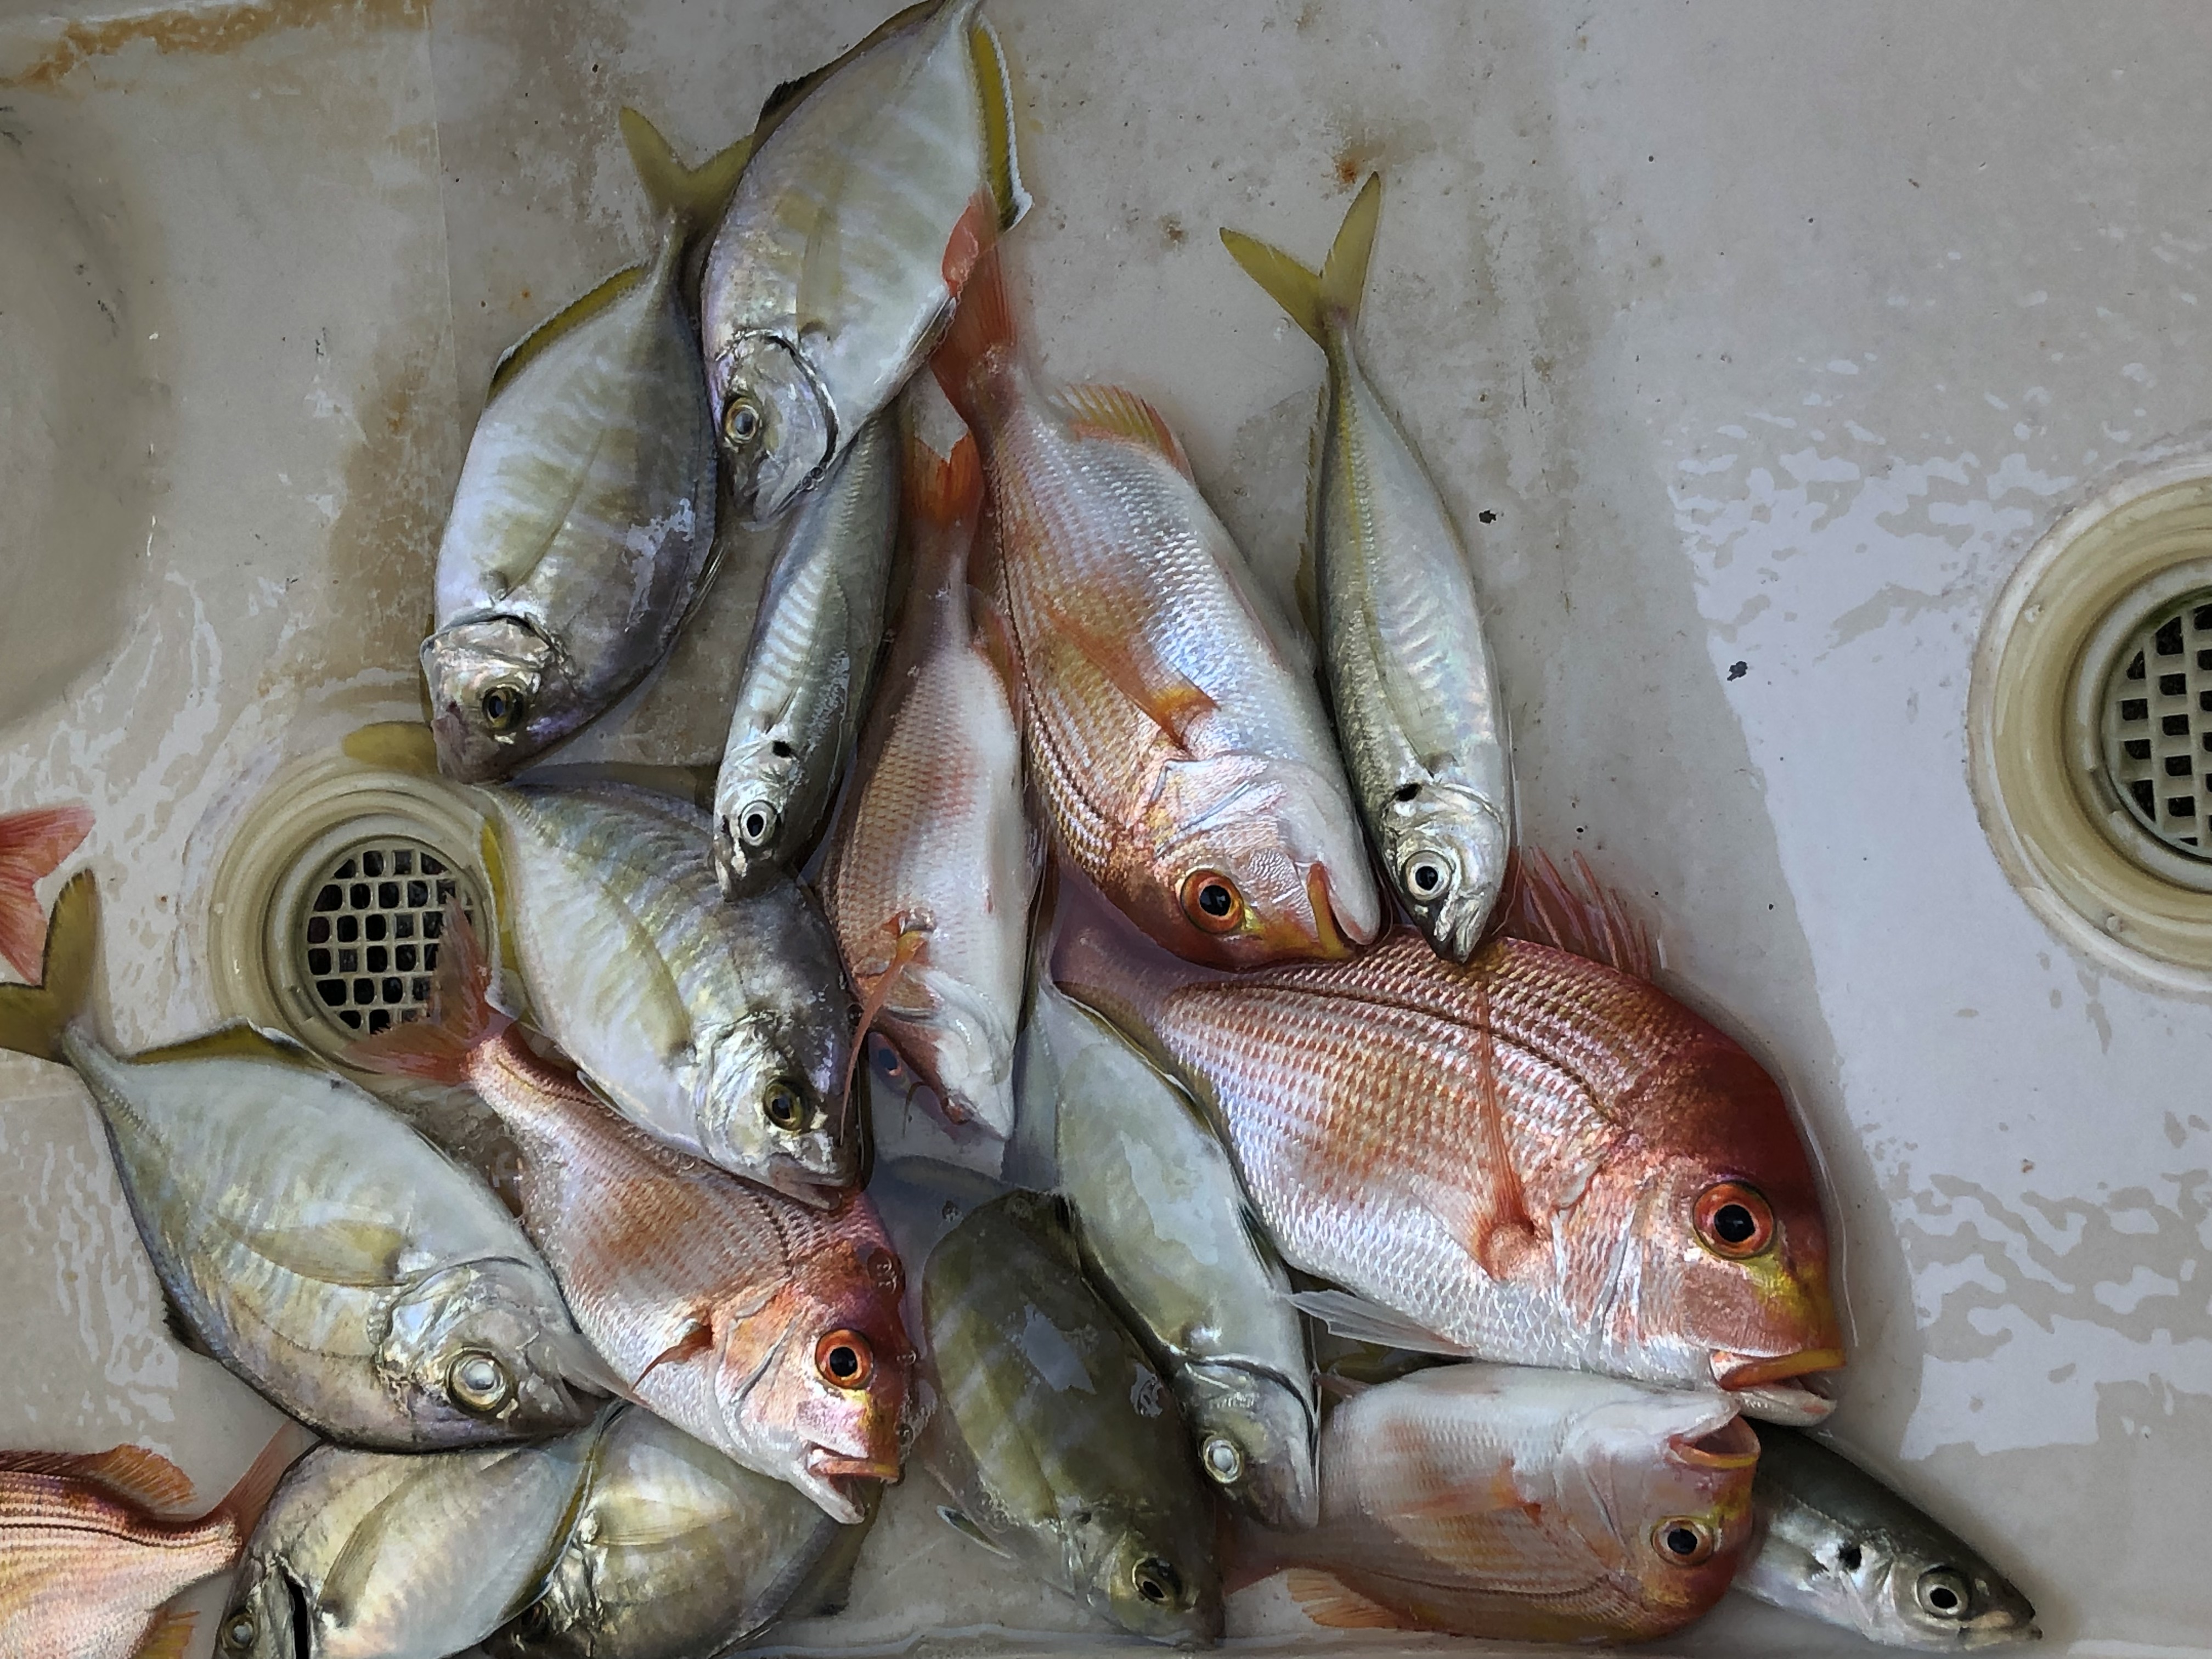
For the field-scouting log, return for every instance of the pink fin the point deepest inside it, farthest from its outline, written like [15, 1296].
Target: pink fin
[243, 1504]
[1584, 917]
[1107, 411]
[1505, 1233]
[982, 324]
[942, 491]
[698, 1338]
[460, 1020]
[1168, 699]
[906, 949]
[132, 1473]
[32, 844]
[977, 233]
[1324, 1598]
[171, 1635]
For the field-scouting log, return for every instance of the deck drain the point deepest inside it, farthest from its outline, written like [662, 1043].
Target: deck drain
[2090, 725]
[368, 942]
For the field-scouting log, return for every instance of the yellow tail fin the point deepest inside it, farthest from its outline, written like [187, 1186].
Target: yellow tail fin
[33, 1017]
[1312, 297]
[693, 197]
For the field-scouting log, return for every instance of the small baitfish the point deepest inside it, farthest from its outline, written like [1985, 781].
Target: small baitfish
[677, 1553]
[581, 529]
[95, 1547]
[32, 844]
[766, 1327]
[1534, 1505]
[1168, 1239]
[1626, 1191]
[1410, 676]
[1838, 1545]
[1184, 764]
[932, 870]
[365, 1555]
[809, 668]
[874, 184]
[308, 1238]
[1061, 1448]
[722, 1029]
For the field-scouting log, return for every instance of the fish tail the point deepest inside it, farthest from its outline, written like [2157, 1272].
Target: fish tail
[690, 198]
[942, 491]
[982, 329]
[1314, 298]
[34, 1017]
[242, 1505]
[32, 844]
[460, 1020]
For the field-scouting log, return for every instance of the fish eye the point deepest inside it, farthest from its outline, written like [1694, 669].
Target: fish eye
[479, 1383]
[503, 706]
[1944, 1593]
[1426, 875]
[741, 421]
[237, 1634]
[1684, 1540]
[783, 1107]
[757, 824]
[1157, 1581]
[1223, 1458]
[1733, 1220]
[845, 1360]
[1211, 900]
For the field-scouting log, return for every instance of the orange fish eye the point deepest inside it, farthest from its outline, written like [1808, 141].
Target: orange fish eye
[1733, 1220]
[1211, 900]
[844, 1360]
[1684, 1540]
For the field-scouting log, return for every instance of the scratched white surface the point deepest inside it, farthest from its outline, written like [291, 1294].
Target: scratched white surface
[1751, 345]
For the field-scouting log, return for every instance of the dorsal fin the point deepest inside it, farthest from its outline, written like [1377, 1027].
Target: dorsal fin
[139, 1477]
[579, 311]
[1109, 411]
[1584, 917]
[1325, 1598]
[239, 1039]
[1000, 150]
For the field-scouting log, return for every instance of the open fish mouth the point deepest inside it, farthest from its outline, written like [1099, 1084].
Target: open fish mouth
[1733, 1445]
[835, 1467]
[817, 1191]
[1776, 1390]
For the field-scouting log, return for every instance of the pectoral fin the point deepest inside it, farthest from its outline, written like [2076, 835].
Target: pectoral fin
[959, 1521]
[1364, 1320]
[1323, 1598]
[171, 1635]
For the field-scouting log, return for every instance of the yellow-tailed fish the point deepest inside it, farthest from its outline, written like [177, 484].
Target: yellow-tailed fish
[764, 1327]
[810, 667]
[722, 1028]
[307, 1237]
[1060, 1444]
[94, 1546]
[1410, 676]
[1536, 1505]
[1168, 1239]
[1183, 763]
[365, 1555]
[581, 529]
[930, 879]
[874, 184]
[677, 1553]
[1533, 1158]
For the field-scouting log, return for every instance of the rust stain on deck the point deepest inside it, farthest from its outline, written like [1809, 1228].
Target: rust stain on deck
[202, 31]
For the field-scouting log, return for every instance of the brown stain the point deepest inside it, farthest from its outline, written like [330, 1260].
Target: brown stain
[1366, 147]
[200, 32]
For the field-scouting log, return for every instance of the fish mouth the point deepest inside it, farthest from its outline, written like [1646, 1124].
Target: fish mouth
[1776, 1390]
[816, 1191]
[1733, 1445]
[835, 1467]
[1328, 934]
[1737, 1371]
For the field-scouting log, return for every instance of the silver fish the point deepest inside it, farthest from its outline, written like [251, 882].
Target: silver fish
[582, 527]
[677, 1553]
[1410, 675]
[721, 1029]
[1838, 1545]
[310, 1240]
[875, 183]
[1168, 1239]
[363, 1555]
[810, 667]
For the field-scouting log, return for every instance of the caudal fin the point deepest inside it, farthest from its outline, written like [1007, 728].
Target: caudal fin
[460, 1020]
[692, 196]
[33, 1017]
[982, 333]
[32, 844]
[941, 491]
[1310, 297]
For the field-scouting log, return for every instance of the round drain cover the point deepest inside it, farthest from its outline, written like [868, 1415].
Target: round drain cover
[2157, 724]
[369, 939]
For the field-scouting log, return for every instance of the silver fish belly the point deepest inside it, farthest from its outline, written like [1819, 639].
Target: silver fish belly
[810, 667]
[846, 242]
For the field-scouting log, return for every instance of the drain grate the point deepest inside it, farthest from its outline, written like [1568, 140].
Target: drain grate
[2158, 724]
[368, 936]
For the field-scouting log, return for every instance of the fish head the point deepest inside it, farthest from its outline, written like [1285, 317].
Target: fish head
[1254, 860]
[1903, 1593]
[499, 695]
[777, 426]
[489, 1342]
[1257, 1441]
[1658, 1484]
[1445, 849]
[767, 1106]
[267, 1616]
[817, 1380]
[1146, 1578]
[753, 793]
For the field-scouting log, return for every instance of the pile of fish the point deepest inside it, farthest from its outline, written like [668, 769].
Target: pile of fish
[1318, 1187]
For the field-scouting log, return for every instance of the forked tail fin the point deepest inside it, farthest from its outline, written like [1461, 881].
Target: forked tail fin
[32, 844]
[460, 1020]
[982, 331]
[33, 1017]
[1313, 298]
[692, 196]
